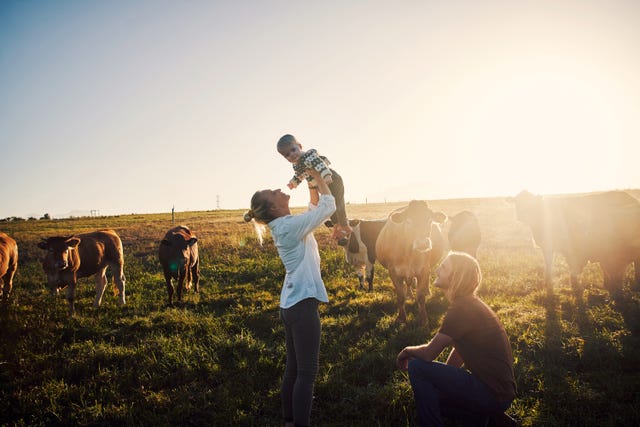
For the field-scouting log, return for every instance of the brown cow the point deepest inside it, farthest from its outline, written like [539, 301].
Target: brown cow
[361, 250]
[178, 255]
[83, 255]
[409, 245]
[8, 264]
[599, 227]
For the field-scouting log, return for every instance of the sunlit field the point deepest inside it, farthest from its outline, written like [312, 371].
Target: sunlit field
[217, 358]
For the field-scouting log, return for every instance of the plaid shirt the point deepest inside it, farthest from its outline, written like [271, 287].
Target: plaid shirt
[310, 160]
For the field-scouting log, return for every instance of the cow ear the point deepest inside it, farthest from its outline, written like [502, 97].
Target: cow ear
[43, 245]
[165, 242]
[353, 222]
[192, 241]
[439, 217]
[72, 242]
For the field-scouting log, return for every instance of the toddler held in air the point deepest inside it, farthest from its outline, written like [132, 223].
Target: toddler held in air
[291, 150]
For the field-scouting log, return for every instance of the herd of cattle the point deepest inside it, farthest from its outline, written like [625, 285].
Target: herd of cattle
[71, 258]
[599, 227]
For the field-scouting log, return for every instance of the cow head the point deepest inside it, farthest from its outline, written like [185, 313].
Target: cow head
[416, 219]
[180, 249]
[528, 207]
[354, 238]
[61, 254]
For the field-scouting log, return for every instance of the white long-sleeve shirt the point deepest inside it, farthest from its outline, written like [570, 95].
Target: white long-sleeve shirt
[298, 250]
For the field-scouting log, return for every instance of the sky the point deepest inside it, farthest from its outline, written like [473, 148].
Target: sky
[134, 106]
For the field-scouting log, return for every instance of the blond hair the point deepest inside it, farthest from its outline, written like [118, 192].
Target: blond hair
[465, 275]
[259, 214]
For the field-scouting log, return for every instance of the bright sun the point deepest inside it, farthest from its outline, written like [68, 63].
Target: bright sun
[549, 131]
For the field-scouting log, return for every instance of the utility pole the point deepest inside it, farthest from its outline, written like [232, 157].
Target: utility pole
[218, 201]
[173, 218]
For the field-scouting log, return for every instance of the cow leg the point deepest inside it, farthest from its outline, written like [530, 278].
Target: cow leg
[5, 288]
[167, 279]
[361, 278]
[101, 285]
[370, 277]
[187, 276]
[71, 296]
[195, 275]
[422, 290]
[119, 279]
[576, 286]
[181, 276]
[399, 285]
[613, 276]
[575, 283]
[576, 265]
[6, 283]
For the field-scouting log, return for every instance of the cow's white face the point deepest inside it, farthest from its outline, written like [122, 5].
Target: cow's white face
[416, 220]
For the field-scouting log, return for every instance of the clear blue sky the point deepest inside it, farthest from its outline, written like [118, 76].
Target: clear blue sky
[137, 106]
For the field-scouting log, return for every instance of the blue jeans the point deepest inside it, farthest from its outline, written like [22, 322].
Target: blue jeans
[441, 389]
[302, 337]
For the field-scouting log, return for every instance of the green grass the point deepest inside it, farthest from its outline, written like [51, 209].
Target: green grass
[217, 359]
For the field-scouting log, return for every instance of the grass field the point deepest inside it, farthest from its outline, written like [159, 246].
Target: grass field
[218, 358]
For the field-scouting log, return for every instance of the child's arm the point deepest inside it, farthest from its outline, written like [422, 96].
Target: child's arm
[294, 182]
[300, 174]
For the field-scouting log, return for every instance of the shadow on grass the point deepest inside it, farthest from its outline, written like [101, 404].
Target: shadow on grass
[553, 372]
[599, 360]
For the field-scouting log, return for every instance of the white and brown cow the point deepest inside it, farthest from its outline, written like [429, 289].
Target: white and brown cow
[360, 252]
[73, 257]
[178, 255]
[8, 264]
[599, 227]
[409, 245]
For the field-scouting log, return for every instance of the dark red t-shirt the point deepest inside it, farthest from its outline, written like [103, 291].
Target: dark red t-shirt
[481, 340]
